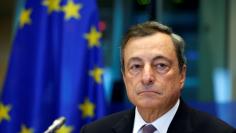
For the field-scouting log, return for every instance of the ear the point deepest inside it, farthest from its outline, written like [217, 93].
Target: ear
[183, 76]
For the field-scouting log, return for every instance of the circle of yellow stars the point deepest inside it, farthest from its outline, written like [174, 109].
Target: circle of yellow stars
[71, 10]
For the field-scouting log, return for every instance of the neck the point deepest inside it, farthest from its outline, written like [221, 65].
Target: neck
[151, 114]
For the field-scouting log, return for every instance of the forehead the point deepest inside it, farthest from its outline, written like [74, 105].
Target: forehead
[158, 44]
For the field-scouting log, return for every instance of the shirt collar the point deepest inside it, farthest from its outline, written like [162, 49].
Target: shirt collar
[161, 123]
[138, 121]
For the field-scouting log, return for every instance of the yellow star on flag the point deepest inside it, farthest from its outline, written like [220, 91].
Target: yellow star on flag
[24, 129]
[93, 37]
[53, 5]
[25, 17]
[65, 129]
[87, 108]
[4, 112]
[71, 10]
[96, 74]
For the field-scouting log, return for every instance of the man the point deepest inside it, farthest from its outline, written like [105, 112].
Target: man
[154, 69]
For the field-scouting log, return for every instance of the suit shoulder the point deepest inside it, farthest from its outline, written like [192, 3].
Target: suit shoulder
[111, 118]
[106, 123]
[205, 121]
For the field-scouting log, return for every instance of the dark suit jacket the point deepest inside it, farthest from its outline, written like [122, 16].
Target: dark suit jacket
[186, 120]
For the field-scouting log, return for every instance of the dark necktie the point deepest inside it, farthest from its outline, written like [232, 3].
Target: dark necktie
[149, 128]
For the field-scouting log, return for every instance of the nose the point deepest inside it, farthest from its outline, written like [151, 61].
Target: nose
[147, 75]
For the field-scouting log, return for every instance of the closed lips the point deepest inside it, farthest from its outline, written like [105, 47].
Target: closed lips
[149, 91]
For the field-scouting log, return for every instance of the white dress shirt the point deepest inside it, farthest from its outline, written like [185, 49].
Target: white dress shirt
[161, 124]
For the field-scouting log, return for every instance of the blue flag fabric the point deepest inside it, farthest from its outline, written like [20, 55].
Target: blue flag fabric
[55, 68]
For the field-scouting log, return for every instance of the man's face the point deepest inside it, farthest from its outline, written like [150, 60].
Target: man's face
[151, 74]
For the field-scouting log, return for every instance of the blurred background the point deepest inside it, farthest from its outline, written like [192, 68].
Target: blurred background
[208, 27]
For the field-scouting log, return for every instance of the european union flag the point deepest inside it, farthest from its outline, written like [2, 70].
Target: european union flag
[55, 68]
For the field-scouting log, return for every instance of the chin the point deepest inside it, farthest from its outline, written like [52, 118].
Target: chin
[148, 104]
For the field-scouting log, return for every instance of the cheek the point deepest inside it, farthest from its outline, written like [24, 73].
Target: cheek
[131, 84]
[130, 81]
[169, 83]
[130, 88]
[131, 94]
[170, 87]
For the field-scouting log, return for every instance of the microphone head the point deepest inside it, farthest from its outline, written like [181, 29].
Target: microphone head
[58, 123]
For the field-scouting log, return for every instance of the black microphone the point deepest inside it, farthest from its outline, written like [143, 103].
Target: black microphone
[58, 123]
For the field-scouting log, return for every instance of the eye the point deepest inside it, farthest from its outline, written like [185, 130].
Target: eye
[162, 67]
[135, 68]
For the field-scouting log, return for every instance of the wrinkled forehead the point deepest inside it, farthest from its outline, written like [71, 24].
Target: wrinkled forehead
[156, 41]
[157, 45]
[157, 36]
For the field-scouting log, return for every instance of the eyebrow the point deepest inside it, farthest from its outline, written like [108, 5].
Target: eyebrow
[132, 59]
[158, 57]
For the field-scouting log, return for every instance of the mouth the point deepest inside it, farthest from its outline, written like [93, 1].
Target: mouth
[149, 92]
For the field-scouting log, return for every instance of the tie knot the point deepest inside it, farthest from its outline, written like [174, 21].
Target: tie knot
[149, 128]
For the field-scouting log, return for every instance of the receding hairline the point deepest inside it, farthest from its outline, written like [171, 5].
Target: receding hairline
[140, 37]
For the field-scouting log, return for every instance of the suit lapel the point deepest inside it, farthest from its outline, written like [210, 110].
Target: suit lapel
[181, 122]
[125, 125]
